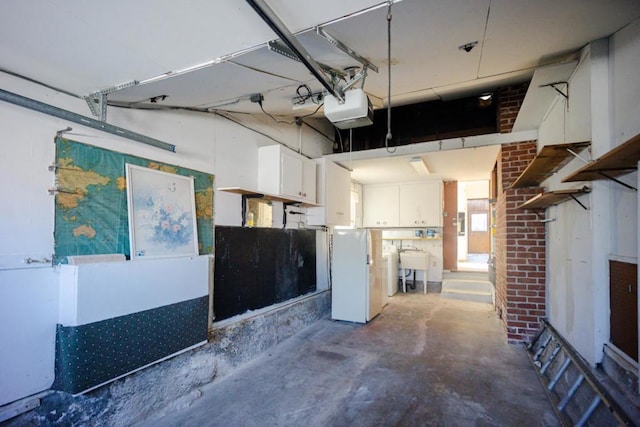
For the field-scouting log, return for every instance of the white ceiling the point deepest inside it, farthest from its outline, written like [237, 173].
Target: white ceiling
[468, 164]
[83, 46]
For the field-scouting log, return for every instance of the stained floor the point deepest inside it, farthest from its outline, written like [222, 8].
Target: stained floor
[425, 360]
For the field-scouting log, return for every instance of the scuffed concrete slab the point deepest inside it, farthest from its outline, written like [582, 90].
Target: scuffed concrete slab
[425, 360]
[176, 383]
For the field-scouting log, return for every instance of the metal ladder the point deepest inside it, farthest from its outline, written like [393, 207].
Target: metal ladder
[576, 395]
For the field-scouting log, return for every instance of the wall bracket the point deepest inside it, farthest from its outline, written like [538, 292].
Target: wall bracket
[554, 85]
[617, 181]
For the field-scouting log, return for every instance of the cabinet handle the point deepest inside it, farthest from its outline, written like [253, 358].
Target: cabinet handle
[424, 222]
[384, 222]
[416, 222]
[305, 194]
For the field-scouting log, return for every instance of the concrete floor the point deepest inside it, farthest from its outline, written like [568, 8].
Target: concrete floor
[425, 360]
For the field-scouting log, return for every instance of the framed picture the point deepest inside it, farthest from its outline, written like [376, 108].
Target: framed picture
[162, 214]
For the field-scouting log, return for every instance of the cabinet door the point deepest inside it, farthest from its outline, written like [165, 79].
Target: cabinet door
[337, 195]
[421, 204]
[290, 174]
[308, 189]
[381, 206]
[433, 209]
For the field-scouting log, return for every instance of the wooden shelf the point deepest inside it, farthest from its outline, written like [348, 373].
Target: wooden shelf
[263, 196]
[551, 198]
[619, 161]
[548, 161]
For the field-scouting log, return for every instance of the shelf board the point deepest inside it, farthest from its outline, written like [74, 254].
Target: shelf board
[264, 196]
[551, 198]
[620, 161]
[548, 161]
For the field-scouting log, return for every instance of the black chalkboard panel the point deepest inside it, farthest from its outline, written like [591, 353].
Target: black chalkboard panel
[258, 267]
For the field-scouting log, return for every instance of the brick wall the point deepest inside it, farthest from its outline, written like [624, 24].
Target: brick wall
[509, 100]
[520, 249]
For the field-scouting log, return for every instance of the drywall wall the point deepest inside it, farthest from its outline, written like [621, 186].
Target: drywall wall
[29, 292]
[624, 50]
[569, 235]
[580, 242]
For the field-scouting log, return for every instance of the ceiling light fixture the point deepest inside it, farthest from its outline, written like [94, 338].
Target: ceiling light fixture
[420, 166]
[486, 96]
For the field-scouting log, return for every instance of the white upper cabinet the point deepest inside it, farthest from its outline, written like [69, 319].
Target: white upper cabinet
[416, 205]
[381, 206]
[334, 195]
[421, 204]
[284, 172]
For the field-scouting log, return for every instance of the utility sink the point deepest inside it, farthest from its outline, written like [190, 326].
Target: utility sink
[414, 260]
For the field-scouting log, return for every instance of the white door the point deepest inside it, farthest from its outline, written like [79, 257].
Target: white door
[350, 276]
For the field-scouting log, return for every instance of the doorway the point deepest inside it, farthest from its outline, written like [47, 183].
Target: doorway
[474, 226]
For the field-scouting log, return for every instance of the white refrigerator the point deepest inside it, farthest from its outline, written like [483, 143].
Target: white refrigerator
[356, 276]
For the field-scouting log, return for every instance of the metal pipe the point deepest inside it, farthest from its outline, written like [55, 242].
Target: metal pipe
[572, 391]
[559, 374]
[590, 410]
[271, 19]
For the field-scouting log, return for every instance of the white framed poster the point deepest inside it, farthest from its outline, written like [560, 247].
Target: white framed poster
[162, 214]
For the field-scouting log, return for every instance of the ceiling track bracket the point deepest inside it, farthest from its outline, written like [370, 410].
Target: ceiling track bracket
[360, 76]
[97, 100]
[271, 19]
[554, 85]
[345, 49]
[279, 48]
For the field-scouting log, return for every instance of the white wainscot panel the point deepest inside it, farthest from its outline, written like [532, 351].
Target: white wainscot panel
[94, 292]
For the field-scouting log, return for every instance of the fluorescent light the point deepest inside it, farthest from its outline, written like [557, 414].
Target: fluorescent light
[419, 165]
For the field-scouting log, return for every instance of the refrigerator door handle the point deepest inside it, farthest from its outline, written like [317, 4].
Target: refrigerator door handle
[368, 259]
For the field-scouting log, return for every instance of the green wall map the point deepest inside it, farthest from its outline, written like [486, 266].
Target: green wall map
[91, 215]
